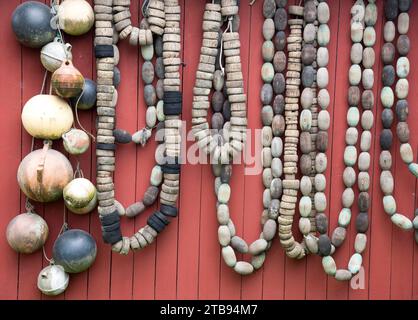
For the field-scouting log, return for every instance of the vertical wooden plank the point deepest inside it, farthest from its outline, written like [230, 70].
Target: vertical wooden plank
[144, 267]
[252, 286]
[10, 129]
[295, 277]
[210, 259]
[363, 293]
[274, 267]
[100, 273]
[295, 270]
[413, 78]
[190, 184]
[145, 260]
[99, 277]
[381, 226]
[31, 265]
[209, 254]
[230, 282]
[274, 273]
[83, 60]
[126, 171]
[316, 279]
[338, 290]
[144, 282]
[53, 212]
[166, 260]
[403, 242]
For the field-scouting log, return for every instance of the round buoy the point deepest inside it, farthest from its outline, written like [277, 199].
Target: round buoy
[80, 196]
[53, 280]
[31, 24]
[76, 141]
[87, 99]
[75, 250]
[27, 233]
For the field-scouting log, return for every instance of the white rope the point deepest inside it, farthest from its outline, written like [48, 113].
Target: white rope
[229, 27]
[145, 7]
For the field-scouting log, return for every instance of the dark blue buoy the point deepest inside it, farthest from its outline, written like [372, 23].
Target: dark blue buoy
[88, 98]
[31, 24]
[75, 250]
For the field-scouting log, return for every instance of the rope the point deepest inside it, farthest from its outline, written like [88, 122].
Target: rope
[44, 82]
[78, 172]
[51, 261]
[29, 206]
[229, 27]
[64, 228]
[54, 4]
[78, 119]
[145, 8]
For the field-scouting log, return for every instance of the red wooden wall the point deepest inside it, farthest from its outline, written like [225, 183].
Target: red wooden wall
[185, 262]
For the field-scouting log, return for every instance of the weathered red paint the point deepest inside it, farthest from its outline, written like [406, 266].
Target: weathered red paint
[185, 262]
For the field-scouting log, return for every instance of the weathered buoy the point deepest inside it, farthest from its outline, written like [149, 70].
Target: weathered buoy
[80, 196]
[75, 250]
[37, 174]
[67, 81]
[87, 98]
[47, 117]
[31, 24]
[54, 54]
[53, 280]
[76, 141]
[76, 17]
[27, 232]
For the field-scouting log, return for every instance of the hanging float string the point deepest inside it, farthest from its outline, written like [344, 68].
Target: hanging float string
[228, 28]
[64, 228]
[145, 8]
[78, 119]
[78, 172]
[55, 19]
[29, 206]
[51, 261]
[64, 222]
[44, 82]
[55, 2]
[61, 37]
